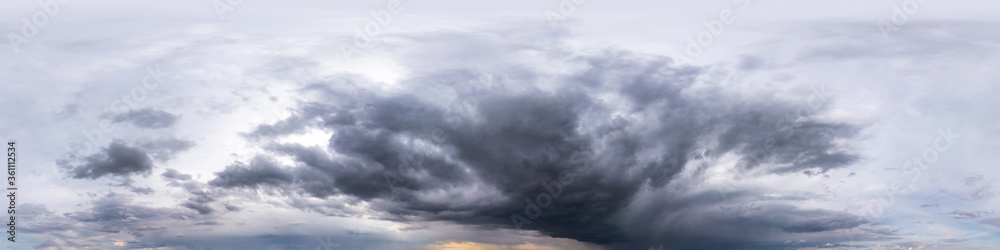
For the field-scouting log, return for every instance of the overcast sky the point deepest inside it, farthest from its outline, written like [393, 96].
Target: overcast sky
[573, 124]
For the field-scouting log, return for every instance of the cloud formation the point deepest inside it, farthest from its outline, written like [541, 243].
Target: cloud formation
[489, 148]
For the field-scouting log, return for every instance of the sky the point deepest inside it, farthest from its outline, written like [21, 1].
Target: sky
[555, 124]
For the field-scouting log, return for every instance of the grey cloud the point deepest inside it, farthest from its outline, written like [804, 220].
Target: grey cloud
[117, 159]
[141, 190]
[147, 118]
[200, 207]
[231, 208]
[260, 171]
[174, 175]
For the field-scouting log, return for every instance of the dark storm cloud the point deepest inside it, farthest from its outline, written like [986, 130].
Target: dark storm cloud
[616, 126]
[147, 118]
[118, 159]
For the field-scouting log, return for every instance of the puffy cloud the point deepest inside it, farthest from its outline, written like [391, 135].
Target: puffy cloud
[260, 171]
[117, 159]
